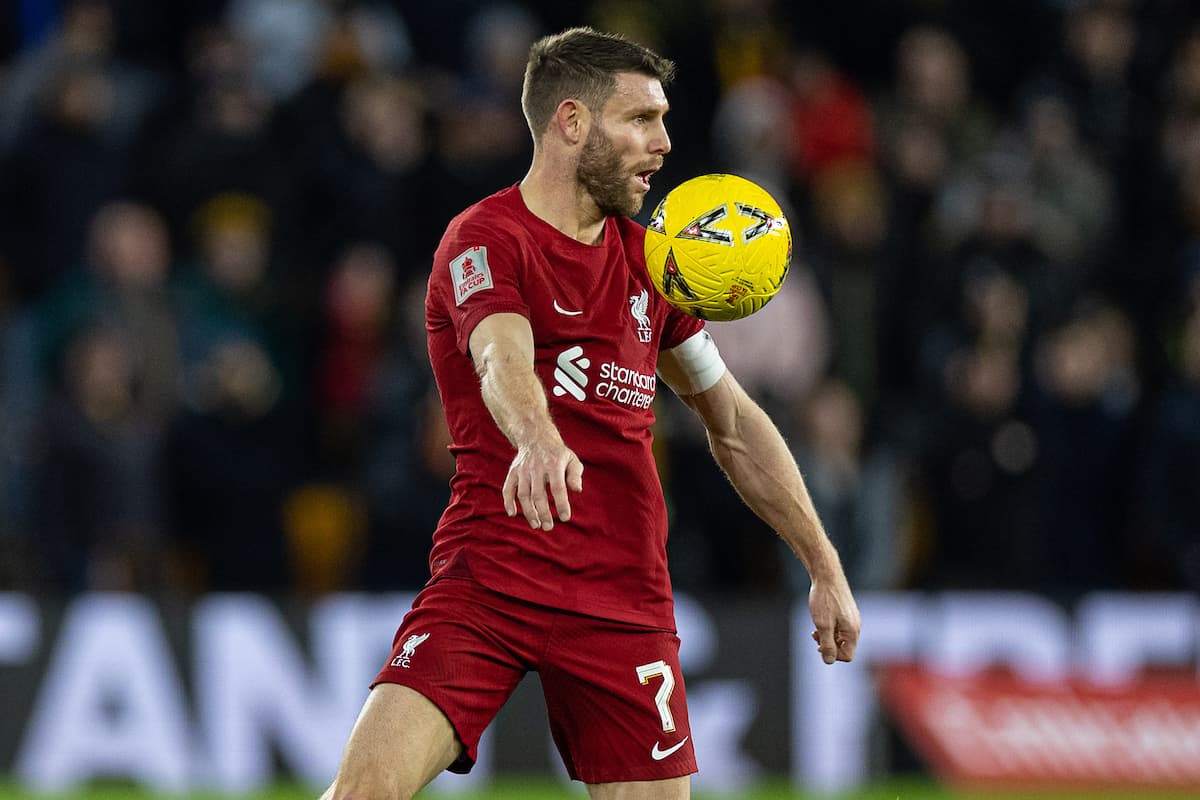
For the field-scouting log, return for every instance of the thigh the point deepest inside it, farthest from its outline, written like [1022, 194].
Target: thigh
[668, 789]
[462, 648]
[616, 701]
[400, 742]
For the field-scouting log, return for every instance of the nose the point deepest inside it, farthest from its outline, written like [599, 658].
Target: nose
[660, 144]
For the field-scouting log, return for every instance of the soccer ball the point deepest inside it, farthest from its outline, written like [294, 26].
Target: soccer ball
[718, 247]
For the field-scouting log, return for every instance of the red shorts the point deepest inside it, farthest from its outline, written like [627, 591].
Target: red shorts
[614, 691]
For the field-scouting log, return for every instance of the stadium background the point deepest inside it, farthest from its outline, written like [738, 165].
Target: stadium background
[215, 225]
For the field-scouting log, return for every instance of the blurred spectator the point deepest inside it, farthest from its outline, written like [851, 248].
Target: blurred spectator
[856, 488]
[752, 134]
[1073, 199]
[988, 504]
[228, 292]
[1094, 74]
[987, 220]
[831, 119]
[1090, 391]
[1171, 256]
[64, 166]
[932, 94]
[747, 40]
[405, 465]
[231, 457]
[982, 455]
[97, 502]
[23, 393]
[291, 40]
[84, 38]
[124, 286]
[853, 267]
[369, 179]
[1168, 549]
[481, 141]
[358, 328]
[992, 310]
[219, 139]
[324, 525]
[495, 48]
[638, 20]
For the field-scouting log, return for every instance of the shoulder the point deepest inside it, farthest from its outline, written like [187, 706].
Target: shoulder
[499, 209]
[492, 221]
[481, 249]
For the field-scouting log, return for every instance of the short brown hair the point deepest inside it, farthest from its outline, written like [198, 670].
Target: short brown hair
[582, 63]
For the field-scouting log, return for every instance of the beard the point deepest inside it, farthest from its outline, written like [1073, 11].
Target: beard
[602, 174]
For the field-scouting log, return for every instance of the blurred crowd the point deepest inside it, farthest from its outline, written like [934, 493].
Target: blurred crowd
[217, 218]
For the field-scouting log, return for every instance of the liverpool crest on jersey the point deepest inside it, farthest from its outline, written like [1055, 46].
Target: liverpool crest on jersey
[638, 305]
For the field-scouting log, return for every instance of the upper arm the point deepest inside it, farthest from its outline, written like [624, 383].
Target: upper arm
[693, 366]
[721, 407]
[501, 338]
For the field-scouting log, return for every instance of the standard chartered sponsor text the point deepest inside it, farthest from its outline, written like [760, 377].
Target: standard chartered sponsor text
[626, 386]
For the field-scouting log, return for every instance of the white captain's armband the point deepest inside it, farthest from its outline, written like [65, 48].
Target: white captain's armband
[696, 366]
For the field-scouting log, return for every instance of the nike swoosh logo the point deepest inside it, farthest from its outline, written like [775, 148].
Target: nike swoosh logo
[659, 755]
[562, 310]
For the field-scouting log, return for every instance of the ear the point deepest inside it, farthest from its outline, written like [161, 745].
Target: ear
[571, 120]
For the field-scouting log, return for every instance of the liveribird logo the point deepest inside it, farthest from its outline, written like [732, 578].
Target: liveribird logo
[638, 304]
[408, 648]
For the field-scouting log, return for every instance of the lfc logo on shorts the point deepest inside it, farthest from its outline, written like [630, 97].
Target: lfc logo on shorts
[407, 650]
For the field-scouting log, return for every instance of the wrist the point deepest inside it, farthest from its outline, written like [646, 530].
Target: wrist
[822, 562]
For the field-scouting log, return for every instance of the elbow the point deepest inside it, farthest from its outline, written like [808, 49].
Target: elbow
[485, 361]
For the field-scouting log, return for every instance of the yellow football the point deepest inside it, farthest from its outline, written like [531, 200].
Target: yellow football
[718, 247]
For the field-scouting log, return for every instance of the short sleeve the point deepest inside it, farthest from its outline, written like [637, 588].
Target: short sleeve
[476, 273]
[678, 327]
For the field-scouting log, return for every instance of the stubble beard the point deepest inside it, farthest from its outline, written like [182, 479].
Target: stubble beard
[602, 175]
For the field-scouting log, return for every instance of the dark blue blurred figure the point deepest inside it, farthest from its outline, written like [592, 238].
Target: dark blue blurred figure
[70, 116]
[97, 506]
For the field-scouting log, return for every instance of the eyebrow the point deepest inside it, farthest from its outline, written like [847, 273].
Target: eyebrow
[648, 110]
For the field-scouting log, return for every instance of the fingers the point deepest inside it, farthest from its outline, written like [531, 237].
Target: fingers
[517, 494]
[509, 493]
[836, 643]
[826, 644]
[526, 497]
[574, 474]
[847, 644]
[524, 490]
[541, 506]
[558, 488]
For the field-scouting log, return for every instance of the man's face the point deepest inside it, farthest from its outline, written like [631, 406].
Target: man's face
[625, 146]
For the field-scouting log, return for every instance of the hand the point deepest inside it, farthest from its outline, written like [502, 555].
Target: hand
[835, 614]
[534, 467]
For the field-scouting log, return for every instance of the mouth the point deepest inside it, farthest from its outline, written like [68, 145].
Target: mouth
[643, 178]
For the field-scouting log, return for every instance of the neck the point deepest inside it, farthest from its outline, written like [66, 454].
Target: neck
[553, 194]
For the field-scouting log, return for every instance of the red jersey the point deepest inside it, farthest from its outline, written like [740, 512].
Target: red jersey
[598, 325]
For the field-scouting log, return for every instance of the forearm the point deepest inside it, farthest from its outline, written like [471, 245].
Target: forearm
[749, 448]
[754, 456]
[502, 346]
[515, 397]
